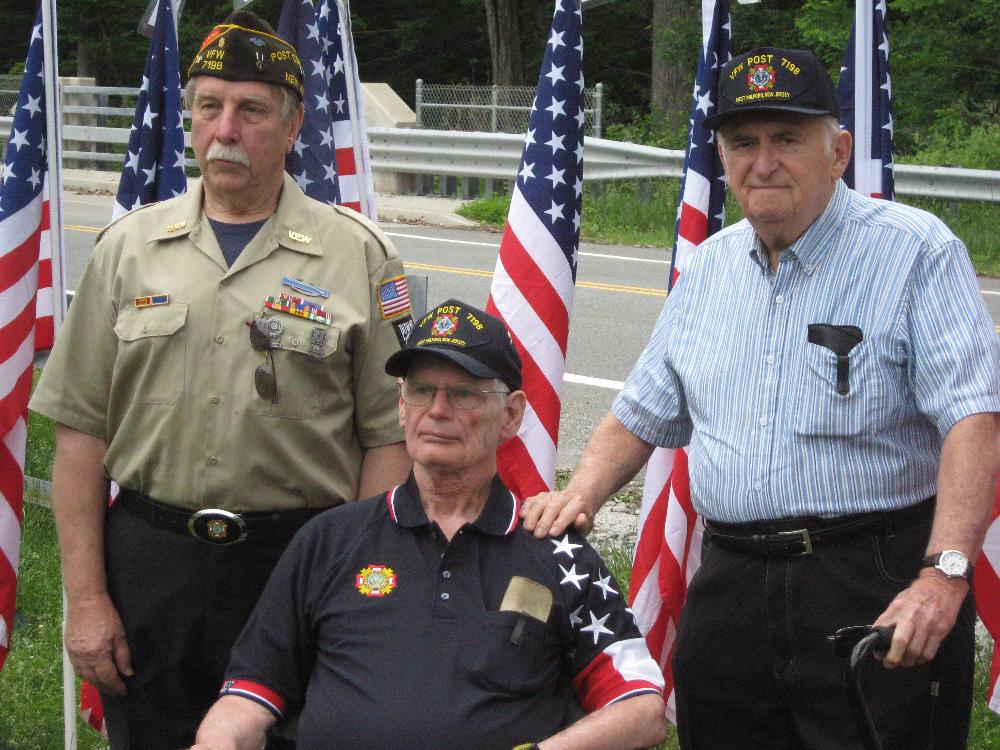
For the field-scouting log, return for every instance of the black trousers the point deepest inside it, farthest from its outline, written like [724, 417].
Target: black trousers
[753, 669]
[183, 603]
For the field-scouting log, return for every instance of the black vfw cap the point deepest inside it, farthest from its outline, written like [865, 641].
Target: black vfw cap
[473, 339]
[773, 79]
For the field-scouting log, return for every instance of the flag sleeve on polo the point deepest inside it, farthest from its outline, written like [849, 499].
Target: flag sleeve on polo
[609, 660]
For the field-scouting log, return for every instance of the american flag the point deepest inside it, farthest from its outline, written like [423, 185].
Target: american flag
[532, 288]
[154, 162]
[987, 585]
[26, 314]
[668, 549]
[326, 158]
[865, 96]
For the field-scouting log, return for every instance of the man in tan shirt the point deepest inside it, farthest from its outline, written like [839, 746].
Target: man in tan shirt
[222, 363]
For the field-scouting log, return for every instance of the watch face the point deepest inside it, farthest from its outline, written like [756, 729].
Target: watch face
[953, 563]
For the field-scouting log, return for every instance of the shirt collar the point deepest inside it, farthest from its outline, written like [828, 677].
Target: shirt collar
[293, 228]
[816, 241]
[499, 516]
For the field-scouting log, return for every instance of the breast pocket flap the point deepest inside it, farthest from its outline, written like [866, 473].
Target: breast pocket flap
[136, 323]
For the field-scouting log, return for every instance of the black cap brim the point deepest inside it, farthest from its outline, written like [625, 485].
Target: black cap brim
[717, 121]
[399, 363]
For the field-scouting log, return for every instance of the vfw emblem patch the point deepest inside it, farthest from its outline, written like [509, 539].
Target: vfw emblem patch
[376, 580]
[761, 77]
[444, 325]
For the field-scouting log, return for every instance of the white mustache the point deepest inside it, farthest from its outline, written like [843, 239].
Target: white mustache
[220, 152]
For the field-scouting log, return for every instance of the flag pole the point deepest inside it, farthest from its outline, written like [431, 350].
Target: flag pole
[54, 180]
[863, 96]
[361, 157]
[53, 140]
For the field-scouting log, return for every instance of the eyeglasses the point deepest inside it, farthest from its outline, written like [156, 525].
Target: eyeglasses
[263, 332]
[461, 396]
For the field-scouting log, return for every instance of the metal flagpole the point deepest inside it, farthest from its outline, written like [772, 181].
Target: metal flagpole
[362, 160]
[53, 140]
[863, 177]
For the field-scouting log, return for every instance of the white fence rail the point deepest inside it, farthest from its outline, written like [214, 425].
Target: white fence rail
[496, 156]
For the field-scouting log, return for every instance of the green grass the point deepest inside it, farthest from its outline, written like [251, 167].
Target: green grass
[41, 448]
[627, 213]
[31, 717]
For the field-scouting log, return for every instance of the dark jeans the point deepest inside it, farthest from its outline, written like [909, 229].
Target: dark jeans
[183, 603]
[753, 668]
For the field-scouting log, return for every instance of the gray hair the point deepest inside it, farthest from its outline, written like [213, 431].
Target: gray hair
[289, 99]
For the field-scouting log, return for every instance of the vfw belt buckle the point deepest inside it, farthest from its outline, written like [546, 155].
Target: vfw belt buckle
[217, 526]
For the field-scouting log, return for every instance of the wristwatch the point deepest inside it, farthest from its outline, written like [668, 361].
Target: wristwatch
[951, 562]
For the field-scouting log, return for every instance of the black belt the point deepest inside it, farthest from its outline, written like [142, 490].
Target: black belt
[791, 537]
[216, 526]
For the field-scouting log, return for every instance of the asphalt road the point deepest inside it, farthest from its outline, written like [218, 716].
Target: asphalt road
[619, 294]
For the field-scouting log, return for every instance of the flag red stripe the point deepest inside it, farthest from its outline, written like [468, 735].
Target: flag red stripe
[517, 469]
[693, 225]
[345, 161]
[91, 708]
[16, 264]
[535, 287]
[13, 405]
[541, 395]
[13, 335]
[987, 592]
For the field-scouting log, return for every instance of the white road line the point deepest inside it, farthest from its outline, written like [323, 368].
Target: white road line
[442, 239]
[611, 385]
[497, 247]
[987, 291]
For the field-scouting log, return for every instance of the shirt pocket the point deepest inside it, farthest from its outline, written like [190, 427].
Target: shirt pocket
[301, 361]
[152, 351]
[501, 667]
[822, 411]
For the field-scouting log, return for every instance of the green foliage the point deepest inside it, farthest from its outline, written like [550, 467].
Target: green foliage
[491, 211]
[953, 142]
[647, 129]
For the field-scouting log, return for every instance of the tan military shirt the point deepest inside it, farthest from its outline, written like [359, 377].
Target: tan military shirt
[170, 386]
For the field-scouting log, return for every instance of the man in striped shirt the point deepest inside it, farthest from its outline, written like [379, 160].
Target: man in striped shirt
[831, 367]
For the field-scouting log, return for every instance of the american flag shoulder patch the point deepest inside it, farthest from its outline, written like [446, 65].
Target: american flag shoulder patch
[394, 297]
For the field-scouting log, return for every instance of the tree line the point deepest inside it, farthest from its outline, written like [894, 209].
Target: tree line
[945, 78]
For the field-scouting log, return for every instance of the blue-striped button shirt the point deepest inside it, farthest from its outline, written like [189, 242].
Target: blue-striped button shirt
[729, 371]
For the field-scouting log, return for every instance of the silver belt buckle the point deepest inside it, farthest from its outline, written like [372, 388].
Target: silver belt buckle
[803, 534]
[217, 526]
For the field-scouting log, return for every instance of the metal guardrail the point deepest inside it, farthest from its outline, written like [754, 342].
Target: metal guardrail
[496, 156]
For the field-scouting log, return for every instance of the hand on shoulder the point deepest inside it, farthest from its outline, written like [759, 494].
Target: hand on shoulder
[551, 513]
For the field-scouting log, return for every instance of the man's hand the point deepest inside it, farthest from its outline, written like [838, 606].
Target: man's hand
[611, 457]
[923, 613]
[551, 513]
[95, 641]
[234, 723]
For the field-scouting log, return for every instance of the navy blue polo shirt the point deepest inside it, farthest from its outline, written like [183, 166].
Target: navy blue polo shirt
[386, 634]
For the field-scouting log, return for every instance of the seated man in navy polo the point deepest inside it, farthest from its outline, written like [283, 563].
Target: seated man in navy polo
[427, 617]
